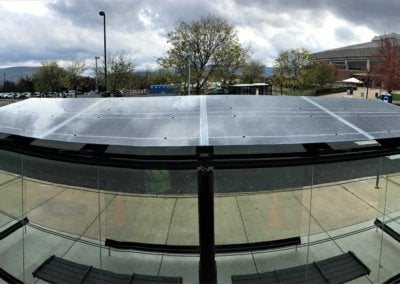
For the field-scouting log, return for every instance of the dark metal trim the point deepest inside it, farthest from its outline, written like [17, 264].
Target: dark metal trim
[13, 228]
[316, 153]
[205, 188]
[152, 247]
[8, 278]
[393, 280]
[384, 227]
[219, 249]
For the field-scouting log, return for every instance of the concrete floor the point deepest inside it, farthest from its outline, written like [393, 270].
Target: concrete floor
[73, 223]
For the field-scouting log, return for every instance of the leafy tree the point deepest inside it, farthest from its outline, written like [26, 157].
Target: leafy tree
[279, 79]
[290, 62]
[253, 71]
[141, 79]
[144, 78]
[324, 74]
[162, 76]
[209, 45]
[9, 86]
[232, 66]
[48, 78]
[72, 78]
[26, 84]
[318, 73]
[119, 71]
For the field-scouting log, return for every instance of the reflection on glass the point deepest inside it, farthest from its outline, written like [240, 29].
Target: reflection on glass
[257, 205]
[11, 210]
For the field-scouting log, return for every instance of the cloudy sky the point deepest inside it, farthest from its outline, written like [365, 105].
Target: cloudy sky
[38, 30]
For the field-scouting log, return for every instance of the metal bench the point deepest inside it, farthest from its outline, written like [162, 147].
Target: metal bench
[228, 248]
[8, 278]
[337, 269]
[393, 280]
[384, 227]
[59, 270]
[13, 228]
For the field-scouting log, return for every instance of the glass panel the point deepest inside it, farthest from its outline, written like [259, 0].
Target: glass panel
[174, 120]
[156, 207]
[61, 201]
[11, 211]
[332, 207]
[261, 205]
[345, 205]
[389, 209]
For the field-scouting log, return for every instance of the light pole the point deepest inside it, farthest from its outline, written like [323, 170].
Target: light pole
[189, 54]
[97, 86]
[368, 69]
[101, 13]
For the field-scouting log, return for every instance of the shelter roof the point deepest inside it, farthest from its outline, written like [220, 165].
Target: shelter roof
[177, 121]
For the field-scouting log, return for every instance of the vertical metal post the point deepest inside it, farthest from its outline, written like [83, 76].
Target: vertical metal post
[379, 173]
[103, 14]
[97, 85]
[207, 265]
[368, 69]
[189, 76]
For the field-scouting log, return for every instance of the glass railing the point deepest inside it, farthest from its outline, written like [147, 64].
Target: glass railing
[266, 216]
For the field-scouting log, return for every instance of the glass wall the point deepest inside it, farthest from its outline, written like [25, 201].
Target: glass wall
[11, 210]
[331, 207]
[74, 209]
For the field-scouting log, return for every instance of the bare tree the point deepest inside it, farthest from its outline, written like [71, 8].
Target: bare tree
[388, 56]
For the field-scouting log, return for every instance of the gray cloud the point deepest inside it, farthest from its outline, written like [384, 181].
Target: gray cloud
[344, 34]
[73, 29]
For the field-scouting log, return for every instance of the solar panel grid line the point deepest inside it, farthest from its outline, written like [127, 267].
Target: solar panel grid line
[200, 120]
[286, 136]
[366, 134]
[204, 141]
[65, 122]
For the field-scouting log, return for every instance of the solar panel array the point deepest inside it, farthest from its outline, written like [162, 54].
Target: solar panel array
[201, 120]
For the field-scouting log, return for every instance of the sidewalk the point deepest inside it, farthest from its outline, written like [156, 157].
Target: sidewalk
[360, 93]
[76, 221]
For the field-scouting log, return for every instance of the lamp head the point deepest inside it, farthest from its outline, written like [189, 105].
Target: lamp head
[101, 13]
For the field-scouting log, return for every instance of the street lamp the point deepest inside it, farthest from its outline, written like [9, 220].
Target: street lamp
[368, 69]
[101, 13]
[97, 86]
[189, 54]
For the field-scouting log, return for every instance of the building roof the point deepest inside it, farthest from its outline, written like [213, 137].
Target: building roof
[359, 51]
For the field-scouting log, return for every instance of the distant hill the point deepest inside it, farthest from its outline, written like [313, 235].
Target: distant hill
[269, 71]
[15, 73]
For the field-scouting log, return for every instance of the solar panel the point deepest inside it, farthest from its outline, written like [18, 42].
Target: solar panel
[219, 120]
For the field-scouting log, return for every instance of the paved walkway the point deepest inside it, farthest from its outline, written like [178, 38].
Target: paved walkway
[69, 222]
[360, 93]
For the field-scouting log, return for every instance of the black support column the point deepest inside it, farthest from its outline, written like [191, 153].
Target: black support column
[205, 176]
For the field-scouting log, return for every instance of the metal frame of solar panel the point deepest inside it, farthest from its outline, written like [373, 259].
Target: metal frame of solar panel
[177, 121]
